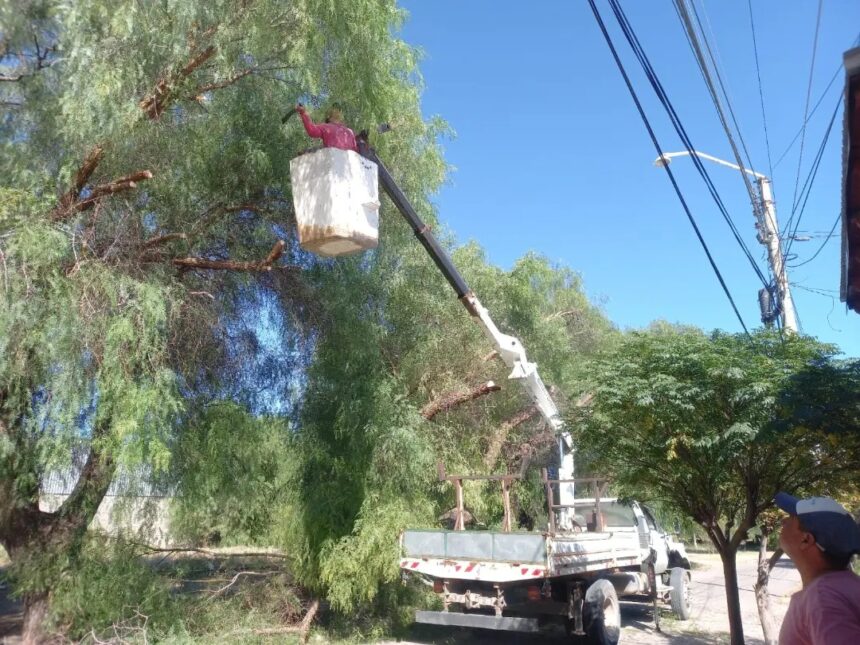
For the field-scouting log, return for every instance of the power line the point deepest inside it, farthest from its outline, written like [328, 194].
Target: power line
[682, 133]
[692, 38]
[829, 237]
[659, 149]
[726, 96]
[806, 109]
[760, 90]
[813, 172]
[811, 114]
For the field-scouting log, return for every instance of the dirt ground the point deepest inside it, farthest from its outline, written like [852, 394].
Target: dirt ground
[708, 624]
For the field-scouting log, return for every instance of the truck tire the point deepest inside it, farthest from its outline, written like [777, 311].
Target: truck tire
[601, 614]
[679, 579]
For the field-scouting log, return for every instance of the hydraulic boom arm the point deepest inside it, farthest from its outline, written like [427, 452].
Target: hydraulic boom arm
[510, 349]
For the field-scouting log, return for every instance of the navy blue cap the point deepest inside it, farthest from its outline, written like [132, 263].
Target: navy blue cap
[834, 529]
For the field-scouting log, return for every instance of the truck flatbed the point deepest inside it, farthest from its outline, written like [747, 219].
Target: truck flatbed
[507, 557]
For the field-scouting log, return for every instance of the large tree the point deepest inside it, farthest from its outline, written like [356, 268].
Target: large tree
[144, 203]
[715, 425]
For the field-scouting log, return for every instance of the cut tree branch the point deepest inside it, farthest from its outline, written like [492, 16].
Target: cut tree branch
[71, 203]
[221, 84]
[453, 399]
[162, 239]
[214, 554]
[499, 438]
[82, 176]
[266, 264]
[302, 629]
[235, 579]
[156, 102]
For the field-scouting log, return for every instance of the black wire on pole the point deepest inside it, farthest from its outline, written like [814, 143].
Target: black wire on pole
[656, 143]
[749, 163]
[693, 39]
[823, 244]
[651, 74]
[760, 90]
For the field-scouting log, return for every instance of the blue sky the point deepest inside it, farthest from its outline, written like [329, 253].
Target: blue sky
[551, 156]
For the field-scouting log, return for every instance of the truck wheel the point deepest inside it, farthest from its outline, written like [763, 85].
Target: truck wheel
[680, 596]
[601, 614]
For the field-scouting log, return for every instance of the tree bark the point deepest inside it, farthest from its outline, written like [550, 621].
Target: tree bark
[35, 612]
[501, 436]
[453, 399]
[762, 597]
[733, 602]
[30, 534]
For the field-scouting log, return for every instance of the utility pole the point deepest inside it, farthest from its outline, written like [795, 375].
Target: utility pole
[768, 235]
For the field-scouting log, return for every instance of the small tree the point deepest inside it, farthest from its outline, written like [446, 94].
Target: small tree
[706, 423]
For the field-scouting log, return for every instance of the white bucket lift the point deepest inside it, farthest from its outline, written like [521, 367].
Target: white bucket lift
[336, 197]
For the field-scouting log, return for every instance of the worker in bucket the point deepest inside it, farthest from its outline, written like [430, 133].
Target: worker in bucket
[820, 537]
[333, 132]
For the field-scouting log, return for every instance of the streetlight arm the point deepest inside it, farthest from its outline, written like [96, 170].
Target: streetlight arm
[666, 157]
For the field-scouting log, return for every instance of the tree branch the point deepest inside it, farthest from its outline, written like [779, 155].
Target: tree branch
[162, 239]
[453, 399]
[499, 438]
[156, 102]
[96, 476]
[235, 579]
[210, 553]
[232, 265]
[82, 176]
[65, 210]
[221, 84]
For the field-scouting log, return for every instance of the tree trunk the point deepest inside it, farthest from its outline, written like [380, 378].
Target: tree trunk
[35, 612]
[762, 598]
[34, 538]
[733, 602]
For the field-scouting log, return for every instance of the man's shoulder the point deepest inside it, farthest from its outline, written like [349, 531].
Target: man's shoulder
[838, 587]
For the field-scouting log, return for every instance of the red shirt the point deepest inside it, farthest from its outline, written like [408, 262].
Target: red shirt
[827, 612]
[333, 135]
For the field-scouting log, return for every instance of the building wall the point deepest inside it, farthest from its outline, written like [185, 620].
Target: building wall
[146, 519]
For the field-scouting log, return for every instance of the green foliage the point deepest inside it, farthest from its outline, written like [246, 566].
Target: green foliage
[229, 466]
[711, 424]
[106, 585]
[106, 345]
[262, 603]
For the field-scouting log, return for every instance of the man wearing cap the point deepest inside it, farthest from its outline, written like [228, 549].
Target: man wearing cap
[820, 537]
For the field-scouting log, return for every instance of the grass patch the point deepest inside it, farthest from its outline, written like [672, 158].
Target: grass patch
[4, 557]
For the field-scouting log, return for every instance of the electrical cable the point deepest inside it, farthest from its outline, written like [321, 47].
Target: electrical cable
[813, 172]
[811, 114]
[829, 237]
[679, 128]
[760, 90]
[693, 39]
[806, 109]
[651, 74]
[723, 89]
[656, 143]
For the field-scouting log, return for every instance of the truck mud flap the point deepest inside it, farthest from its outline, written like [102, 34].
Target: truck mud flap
[481, 621]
